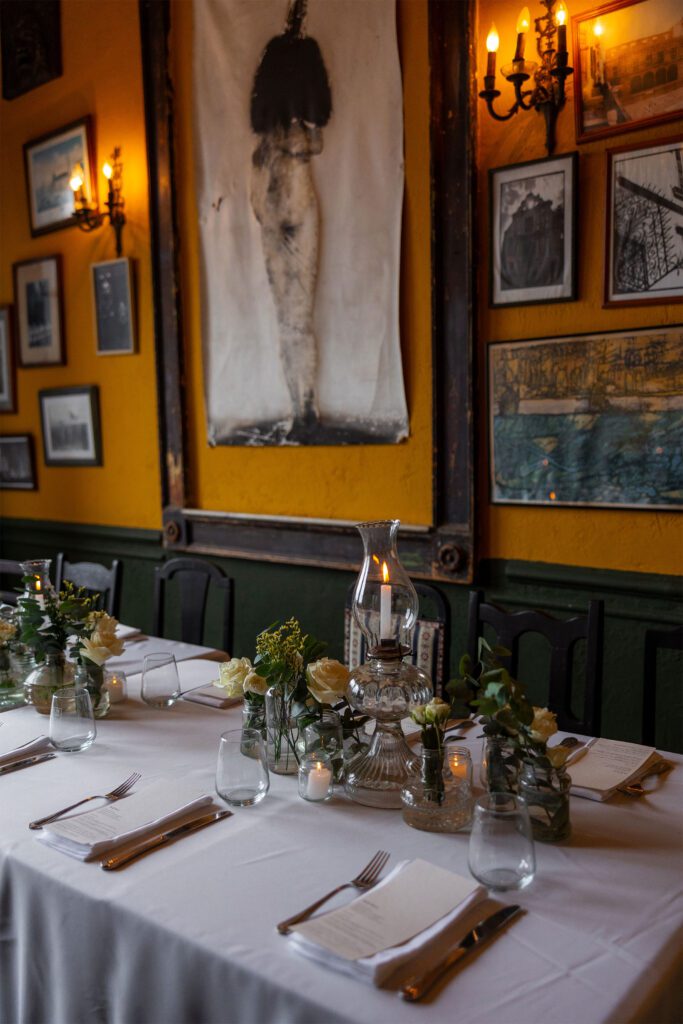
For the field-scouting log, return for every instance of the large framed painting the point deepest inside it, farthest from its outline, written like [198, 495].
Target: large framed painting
[644, 258]
[39, 311]
[593, 419]
[532, 231]
[628, 58]
[70, 418]
[49, 162]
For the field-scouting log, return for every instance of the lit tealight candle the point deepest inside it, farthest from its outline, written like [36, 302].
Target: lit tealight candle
[115, 682]
[459, 762]
[315, 776]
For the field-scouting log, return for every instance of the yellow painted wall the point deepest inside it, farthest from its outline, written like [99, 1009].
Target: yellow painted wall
[613, 539]
[102, 77]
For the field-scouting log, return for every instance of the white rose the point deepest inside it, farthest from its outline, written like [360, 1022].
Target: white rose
[97, 652]
[232, 675]
[419, 714]
[254, 683]
[327, 680]
[104, 634]
[437, 712]
[543, 726]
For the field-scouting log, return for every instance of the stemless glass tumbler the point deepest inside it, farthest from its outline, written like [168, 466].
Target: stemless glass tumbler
[242, 778]
[501, 854]
[72, 722]
[160, 682]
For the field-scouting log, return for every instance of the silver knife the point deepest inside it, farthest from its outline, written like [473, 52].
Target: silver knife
[25, 762]
[118, 860]
[419, 987]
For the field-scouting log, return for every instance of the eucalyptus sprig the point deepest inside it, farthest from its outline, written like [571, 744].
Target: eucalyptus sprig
[47, 630]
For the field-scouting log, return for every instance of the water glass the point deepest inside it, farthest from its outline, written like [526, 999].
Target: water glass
[160, 682]
[242, 778]
[72, 721]
[501, 854]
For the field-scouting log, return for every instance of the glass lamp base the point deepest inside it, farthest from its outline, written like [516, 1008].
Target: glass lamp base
[376, 776]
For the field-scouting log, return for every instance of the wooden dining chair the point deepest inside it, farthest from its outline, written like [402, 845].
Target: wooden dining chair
[655, 640]
[96, 579]
[562, 635]
[193, 577]
[431, 638]
[10, 568]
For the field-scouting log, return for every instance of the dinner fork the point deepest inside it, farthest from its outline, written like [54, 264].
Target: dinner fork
[365, 879]
[115, 794]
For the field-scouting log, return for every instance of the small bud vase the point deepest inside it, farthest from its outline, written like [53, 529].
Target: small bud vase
[436, 800]
[254, 713]
[545, 791]
[89, 676]
[499, 765]
[282, 733]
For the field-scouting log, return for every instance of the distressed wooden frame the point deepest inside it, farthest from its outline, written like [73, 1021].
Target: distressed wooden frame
[444, 551]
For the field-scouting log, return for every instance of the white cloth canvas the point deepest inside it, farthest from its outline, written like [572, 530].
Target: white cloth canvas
[358, 179]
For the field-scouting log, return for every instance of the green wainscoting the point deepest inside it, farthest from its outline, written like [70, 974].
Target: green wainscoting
[266, 592]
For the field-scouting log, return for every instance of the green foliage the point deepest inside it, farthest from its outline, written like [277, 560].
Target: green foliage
[282, 655]
[48, 630]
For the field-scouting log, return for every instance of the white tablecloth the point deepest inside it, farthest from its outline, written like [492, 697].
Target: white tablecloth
[187, 934]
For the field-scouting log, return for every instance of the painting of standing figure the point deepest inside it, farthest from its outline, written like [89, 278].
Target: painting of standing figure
[300, 201]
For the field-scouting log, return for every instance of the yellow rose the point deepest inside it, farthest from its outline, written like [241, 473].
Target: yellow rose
[95, 652]
[327, 680]
[7, 631]
[232, 676]
[254, 683]
[543, 726]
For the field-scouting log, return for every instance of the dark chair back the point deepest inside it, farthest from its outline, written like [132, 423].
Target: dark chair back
[655, 640]
[431, 638]
[562, 636]
[193, 577]
[10, 568]
[96, 579]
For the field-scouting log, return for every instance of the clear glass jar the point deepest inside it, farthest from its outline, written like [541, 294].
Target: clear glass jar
[315, 777]
[46, 678]
[91, 677]
[545, 791]
[499, 765]
[254, 713]
[282, 733]
[326, 735]
[437, 800]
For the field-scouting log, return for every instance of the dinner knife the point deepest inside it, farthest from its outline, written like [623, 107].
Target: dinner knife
[419, 987]
[25, 762]
[118, 860]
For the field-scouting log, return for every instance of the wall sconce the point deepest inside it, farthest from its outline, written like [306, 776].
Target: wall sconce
[547, 95]
[88, 217]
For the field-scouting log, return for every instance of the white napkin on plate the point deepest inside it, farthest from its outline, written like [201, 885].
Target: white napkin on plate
[39, 745]
[93, 833]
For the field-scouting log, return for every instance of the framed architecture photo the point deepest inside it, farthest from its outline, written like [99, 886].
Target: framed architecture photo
[17, 464]
[628, 66]
[49, 162]
[114, 307]
[532, 231]
[7, 365]
[644, 258]
[31, 42]
[38, 305]
[70, 419]
[590, 420]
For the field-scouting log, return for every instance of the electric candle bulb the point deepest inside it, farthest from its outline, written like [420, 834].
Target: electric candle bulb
[107, 171]
[492, 43]
[76, 180]
[598, 29]
[523, 24]
[562, 19]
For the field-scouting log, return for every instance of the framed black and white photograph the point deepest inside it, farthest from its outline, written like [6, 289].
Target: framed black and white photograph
[114, 309]
[533, 211]
[70, 419]
[38, 305]
[17, 464]
[50, 162]
[644, 258]
[7, 366]
[31, 41]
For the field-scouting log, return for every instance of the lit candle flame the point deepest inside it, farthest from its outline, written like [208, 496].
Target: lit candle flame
[385, 572]
[76, 180]
[598, 29]
[107, 171]
[562, 13]
[492, 40]
[38, 583]
[524, 20]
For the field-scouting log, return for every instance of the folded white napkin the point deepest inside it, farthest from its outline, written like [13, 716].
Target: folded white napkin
[124, 632]
[39, 745]
[93, 833]
[418, 952]
[213, 696]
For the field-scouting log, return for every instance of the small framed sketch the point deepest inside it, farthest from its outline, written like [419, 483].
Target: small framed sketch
[49, 162]
[70, 420]
[17, 464]
[627, 66]
[7, 368]
[532, 213]
[38, 304]
[114, 310]
[644, 258]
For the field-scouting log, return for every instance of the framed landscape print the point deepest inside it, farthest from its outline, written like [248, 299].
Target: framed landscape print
[113, 304]
[49, 163]
[628, 66]
[644, 258]
[7, 367]
[592, 419]
[533, 208]
[38, 305]
[31, 41]
[17, 464]
[70, 420]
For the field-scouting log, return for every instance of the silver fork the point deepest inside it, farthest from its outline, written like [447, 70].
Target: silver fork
[365, 879]
[115, 794]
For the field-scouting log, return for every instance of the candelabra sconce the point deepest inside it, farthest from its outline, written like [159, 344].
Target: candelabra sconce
[89, 218]
[547, 95]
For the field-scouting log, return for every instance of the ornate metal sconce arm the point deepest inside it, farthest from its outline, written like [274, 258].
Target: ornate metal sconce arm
[490, 95]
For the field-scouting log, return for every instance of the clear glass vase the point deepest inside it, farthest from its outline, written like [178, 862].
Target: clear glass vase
[545, 791]
[91, 677]
[36, 579]
[282, 733]
[436, 800]
[254, 713]
[47, 678]
[499, 765]
[11, 686]
[326, 735]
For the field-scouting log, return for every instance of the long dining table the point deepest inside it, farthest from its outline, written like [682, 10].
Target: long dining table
[186, 934]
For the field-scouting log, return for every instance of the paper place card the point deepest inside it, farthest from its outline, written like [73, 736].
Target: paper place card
[607, 765]
[407, 903]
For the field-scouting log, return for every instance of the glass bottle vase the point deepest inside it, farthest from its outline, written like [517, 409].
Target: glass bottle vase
[436, 800]
[254, 713]
[545, 791]
[282, 733]
[46, 678]
[91, 677]
[11, 685]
